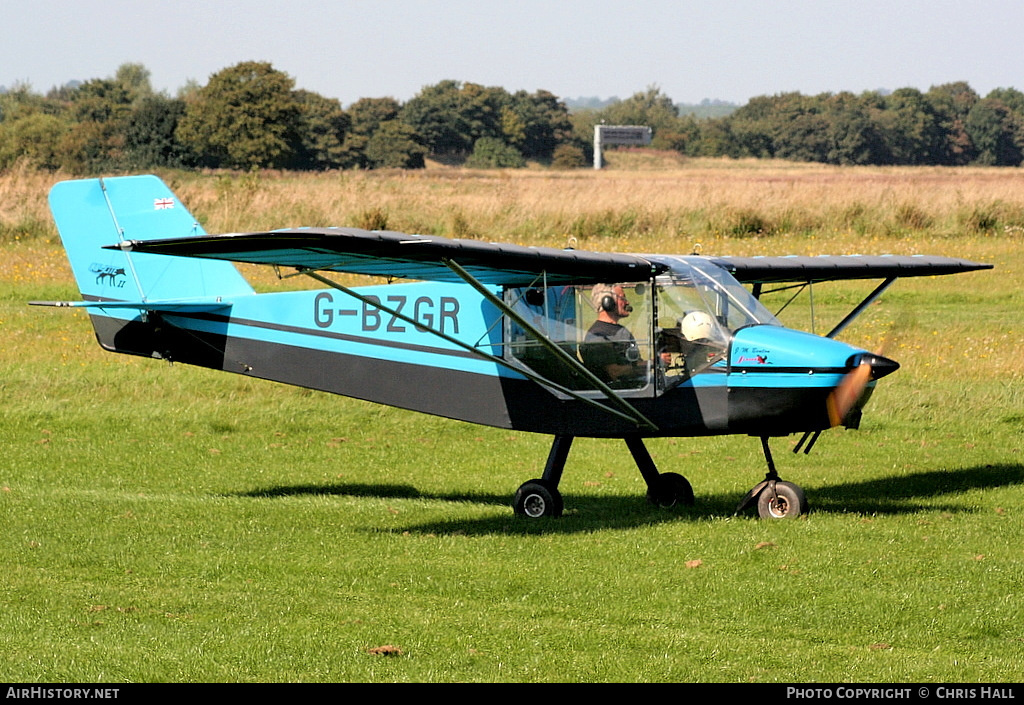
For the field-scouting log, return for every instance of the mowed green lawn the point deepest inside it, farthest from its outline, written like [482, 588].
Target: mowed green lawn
[167, 523]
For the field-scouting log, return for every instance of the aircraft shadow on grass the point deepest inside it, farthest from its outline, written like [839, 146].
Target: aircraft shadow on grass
[891, 495]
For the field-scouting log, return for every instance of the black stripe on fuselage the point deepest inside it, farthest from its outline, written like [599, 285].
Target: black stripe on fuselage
[503, 402]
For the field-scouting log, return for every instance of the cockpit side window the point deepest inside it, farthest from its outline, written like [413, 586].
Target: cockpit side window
[642, 338]
[553, 312]
[606, 328]
[617, 337]
[692, 336]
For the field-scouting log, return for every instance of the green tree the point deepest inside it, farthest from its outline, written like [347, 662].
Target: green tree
[20, 101]
[100, 100]
[99, 111]
[134, 80]
[492, 153]
[720, 138]
[247, 116]
[395, 145]
[785, 126]
[34, 138]
[854, 135]
[482, 108]
[913, 128]
[536, 124]
[753, 126]
[568, 156]
[996, 132]
[91, 147]
[366, 116]
[952, 102]
[451, 116]
[651, 108]
[149, 134]
[436, 114]
[1010, 97]
[322, 128]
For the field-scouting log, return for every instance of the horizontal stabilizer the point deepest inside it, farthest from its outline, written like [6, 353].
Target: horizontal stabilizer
[191, 305]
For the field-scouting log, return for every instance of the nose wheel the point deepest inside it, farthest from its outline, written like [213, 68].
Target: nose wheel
[775, 498]
[781, 500]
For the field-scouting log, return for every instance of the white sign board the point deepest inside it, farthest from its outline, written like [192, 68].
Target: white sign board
[623, 134]
[619, 134]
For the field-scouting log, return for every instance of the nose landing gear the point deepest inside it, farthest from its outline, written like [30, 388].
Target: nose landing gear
[775, 498]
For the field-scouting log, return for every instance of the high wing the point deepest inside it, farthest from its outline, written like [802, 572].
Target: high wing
[798, 272]
[401, 256]
[398, 255]
[823, 268]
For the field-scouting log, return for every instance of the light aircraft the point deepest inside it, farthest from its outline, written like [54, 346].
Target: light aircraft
[487, 333]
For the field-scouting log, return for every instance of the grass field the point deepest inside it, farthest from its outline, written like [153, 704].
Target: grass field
[168, 523]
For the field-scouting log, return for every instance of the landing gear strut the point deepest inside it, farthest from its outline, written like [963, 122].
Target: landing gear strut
[775, 498]
[540, 498]
[663, 489]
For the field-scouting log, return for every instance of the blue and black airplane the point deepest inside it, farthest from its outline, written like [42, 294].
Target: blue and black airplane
[563, 342]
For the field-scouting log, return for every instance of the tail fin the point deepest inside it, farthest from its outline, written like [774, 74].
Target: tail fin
[92, 213]
[129, 294]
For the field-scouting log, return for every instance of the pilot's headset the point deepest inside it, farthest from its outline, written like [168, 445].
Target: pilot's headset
[604, 298]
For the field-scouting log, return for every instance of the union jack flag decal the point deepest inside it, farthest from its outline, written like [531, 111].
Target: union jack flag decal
[161, 204]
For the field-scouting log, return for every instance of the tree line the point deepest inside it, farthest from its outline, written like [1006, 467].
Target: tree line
[252, 116]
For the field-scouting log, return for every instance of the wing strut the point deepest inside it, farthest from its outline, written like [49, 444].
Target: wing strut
[558, 352]
[859, 309]
[629, 414]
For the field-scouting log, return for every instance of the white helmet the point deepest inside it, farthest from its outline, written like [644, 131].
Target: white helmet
[697, 325]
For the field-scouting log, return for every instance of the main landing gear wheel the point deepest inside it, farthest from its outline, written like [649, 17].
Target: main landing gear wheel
[537, 498]
[670, 489]
[783, 501]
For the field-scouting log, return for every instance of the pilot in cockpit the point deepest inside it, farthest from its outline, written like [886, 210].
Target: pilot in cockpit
[696, 340]
[609, 349]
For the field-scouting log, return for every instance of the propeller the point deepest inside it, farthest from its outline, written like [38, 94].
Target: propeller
[865, 368]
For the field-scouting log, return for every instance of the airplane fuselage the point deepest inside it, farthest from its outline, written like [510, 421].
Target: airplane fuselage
[770, 379]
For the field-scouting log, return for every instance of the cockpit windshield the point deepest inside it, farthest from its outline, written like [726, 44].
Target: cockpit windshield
[695, 283]
[639, 337]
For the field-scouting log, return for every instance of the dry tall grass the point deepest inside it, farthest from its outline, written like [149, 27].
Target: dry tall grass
[615, 208]
[722, 206]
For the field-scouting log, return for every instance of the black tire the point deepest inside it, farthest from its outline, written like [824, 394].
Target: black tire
[786, 502]
[536, 499]
[670, 489]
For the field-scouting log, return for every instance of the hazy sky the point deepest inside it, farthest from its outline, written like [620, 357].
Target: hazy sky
[692, 49]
